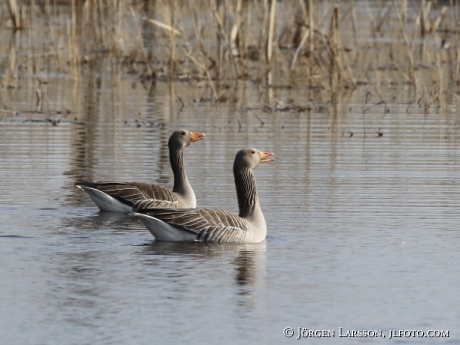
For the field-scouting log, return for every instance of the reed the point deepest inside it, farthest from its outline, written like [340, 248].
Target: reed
[322, 45]
[15, 14]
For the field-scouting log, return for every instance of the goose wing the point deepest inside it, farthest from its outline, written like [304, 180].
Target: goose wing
[131, 192]
[155, 203]
[212, 226]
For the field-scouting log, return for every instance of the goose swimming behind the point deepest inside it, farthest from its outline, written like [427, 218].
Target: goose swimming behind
[215, 226]
[121, 196]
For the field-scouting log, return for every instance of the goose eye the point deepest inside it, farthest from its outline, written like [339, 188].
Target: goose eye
[183, 133]
[253, 152]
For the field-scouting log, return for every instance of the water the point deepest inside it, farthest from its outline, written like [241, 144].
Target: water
[362, 229]
[361, 202]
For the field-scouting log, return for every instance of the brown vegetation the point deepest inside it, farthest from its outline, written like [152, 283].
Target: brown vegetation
[333, 46]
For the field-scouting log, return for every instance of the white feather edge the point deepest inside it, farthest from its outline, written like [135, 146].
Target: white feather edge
[163, 231]
[104, 201]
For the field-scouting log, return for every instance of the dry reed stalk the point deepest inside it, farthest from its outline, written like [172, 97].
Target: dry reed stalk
[246, 33]
[407, 46]
[334, 73]
[194, 60]
[311, 23]
[164, 26]
[351, 81]
[53, 34]
[198, 38]
[426, 25]
[220, 19]
[264, 31]
[104, 30]
[39, 98]
[31, 56]
[300, 21]
[270, 90]
[208, 53]
[374, 26]
[315, 59]
[425, 21]
[11, 71]
[342, 59]
[303, 7]
[172, 40]
[196, 28]
[439, 19]
[74, 49]
[140, 46]
[236, 41]
[355, 30]
[415, 30]
[271, 32]
[219, 39]
[220, 15]
[93, 20]
[456, 64]
[15, 14]
[302, 42]
[404, 11]
[441, 96]
[235, 32]
[204, 70]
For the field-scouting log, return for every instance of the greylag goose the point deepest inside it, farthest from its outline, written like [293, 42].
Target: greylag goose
[121, 196]
[215, 226]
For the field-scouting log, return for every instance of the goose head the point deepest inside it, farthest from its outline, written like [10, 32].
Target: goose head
[183, 138]
[252, 158]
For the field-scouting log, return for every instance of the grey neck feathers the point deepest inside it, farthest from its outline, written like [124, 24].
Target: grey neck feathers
[176, 157]
[246, 190]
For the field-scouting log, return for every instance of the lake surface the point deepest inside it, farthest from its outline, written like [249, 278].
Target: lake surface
[362, 229]
[361, 202]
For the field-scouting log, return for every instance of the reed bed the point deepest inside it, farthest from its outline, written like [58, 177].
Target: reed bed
[331, 47]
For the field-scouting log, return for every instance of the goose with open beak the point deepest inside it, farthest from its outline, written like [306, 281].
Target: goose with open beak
[215, 226]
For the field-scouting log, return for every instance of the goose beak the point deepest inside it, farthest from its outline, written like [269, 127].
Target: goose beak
[197, 136]
[265, 157]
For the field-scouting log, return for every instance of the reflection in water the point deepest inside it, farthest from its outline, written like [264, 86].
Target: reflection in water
[245, 267]
[180, 248]
[249, 261]
[115, 221]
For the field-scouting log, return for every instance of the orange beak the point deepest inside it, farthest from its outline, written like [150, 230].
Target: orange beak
[197, 136]
[265, 157]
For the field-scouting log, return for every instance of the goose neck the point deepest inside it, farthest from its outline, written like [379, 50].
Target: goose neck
[181, 184]
[246, 190]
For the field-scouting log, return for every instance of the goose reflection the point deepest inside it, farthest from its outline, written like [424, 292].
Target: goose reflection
[246, 268]
[247, 260]
[87, 222]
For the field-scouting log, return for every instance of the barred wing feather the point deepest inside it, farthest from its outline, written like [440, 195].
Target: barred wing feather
[212, 226]
[129, 193]
[154, 203]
